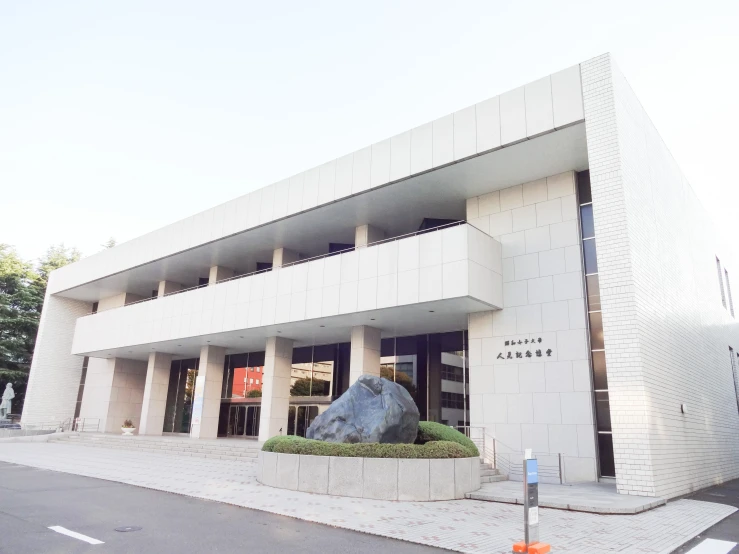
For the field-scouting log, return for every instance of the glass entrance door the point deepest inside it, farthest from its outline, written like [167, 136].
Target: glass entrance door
[243, 421]
[180, 395]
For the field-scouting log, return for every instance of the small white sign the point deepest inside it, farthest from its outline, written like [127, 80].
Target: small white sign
[534, 515]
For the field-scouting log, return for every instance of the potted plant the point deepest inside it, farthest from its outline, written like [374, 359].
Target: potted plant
[128, 427]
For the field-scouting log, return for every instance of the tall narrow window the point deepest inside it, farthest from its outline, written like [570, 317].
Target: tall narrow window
[728, 293]
[720, 281]
[735, 375]
[607, 466]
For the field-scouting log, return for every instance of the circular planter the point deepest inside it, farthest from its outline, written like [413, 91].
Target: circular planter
[128, 431]
[414, 480]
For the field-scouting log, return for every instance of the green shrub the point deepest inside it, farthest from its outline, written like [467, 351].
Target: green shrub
[429, 431]
[431, 449]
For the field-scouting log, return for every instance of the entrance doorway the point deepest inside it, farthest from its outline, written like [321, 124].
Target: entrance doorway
[243, 421]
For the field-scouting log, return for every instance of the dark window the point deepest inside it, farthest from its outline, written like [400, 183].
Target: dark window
[452, 400]
[596, 330]
[734, 374]
[429, 223]
[263, 266]
[452, 373]
[721, 282]
[593, 284]
[94, 307]
[605, 455]
[583, 187]
[728, 293]
[603, 411]
[203, 281]
[600, 378]
[337, 247]
[591, 258]
[588, 227]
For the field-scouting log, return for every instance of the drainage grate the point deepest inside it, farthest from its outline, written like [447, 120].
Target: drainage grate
[127, 529]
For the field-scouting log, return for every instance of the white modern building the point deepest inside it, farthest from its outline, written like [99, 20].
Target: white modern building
[535, 265]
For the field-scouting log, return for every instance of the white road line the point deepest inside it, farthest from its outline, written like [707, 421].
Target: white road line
[713, 546]
[78, 536]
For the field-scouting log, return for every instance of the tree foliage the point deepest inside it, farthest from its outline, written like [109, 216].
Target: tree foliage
[22, 293]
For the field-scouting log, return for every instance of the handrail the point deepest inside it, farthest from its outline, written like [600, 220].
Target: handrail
[290, 264]
[500, 455]
[80, 424]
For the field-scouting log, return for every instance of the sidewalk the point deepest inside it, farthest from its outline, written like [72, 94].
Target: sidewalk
[460, 525]
[597, 498]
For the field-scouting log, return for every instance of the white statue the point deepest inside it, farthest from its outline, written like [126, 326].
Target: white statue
[8, 395]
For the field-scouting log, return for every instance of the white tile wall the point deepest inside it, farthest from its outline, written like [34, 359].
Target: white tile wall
[456, 262]
[535, 402]
[666, 332]
[538, 107]
[54, 381]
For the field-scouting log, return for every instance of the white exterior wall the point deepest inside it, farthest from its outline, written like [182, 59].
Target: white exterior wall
[540, 403]
[666, 331]
[114, 392]
[55, 373]
[456, 262]
[528, 111]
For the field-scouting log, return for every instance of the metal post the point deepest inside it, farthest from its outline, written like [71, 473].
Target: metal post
[531, 501]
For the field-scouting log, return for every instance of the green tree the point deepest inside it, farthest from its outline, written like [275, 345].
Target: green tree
[301, 387]
[20, 308]
[110, 243]
[22, 292]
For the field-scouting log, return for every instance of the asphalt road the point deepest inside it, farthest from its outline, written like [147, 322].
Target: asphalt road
[32, 500]
[725, 530]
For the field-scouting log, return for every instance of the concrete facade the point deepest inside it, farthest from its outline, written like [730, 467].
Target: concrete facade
[470, 224]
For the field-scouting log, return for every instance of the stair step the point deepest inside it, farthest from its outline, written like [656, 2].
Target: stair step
[493, 478]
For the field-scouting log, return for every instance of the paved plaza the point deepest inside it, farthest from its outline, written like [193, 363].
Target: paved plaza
[461, 525]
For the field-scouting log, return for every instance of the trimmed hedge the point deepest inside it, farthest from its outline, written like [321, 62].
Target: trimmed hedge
[429, 431]
[431, 449]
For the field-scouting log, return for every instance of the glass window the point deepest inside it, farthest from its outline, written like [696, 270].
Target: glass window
[600, 377]
[593, 284]
[605, 455]
[596, 330]
[583, 187]
[591, 259]
[603, 411]
[586, 216]
[313, 370]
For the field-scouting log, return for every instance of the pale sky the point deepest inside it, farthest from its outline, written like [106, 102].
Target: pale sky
[117, 118]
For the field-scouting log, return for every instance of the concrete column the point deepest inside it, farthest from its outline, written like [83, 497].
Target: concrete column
[219, 273]
[114, 392]
[117, 301]
[278, 359]
[211, 367]
[155, 393]
[367, 234]
[365, 355]
[166, 287]
[284, 256]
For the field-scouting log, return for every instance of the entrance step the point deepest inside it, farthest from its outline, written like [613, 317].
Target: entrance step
[489, 474]
[246, 451]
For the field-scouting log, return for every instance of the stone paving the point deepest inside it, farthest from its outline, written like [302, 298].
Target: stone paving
[460, 525]
[599, 498]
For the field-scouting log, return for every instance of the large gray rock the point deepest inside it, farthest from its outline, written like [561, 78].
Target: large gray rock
[372, 410]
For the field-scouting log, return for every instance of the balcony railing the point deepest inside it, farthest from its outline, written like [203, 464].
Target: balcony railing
[297, 262]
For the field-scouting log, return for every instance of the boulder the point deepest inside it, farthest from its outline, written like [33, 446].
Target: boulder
[372, 410]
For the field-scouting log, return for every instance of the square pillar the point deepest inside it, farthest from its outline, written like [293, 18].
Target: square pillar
[219, 273]
[166, 287]
[114, 392]
[365, 355]
[282, 256]
[278, 359]
[155, 393]
[367, 234]
[211, 369]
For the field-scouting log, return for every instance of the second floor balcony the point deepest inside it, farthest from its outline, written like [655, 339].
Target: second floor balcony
[413, 283]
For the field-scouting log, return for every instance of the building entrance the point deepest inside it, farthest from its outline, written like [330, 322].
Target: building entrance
[243, 421]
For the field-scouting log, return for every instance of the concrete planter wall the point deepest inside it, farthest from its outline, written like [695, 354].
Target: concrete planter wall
[376, 478]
